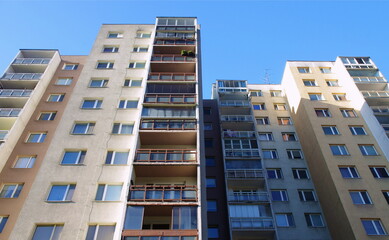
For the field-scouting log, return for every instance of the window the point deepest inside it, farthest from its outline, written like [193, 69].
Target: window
[263, 121]
[25, 162]
[322, 112]
[330, 130]
[348, 113]
[275, 173]
[279, 195]
[106, 192]
[280, 106]
[276, 93]
[132, 82]
[289, 137]
[100, 232]
[307, 195]
[92, 104]
[70, 67]
[316, 96]
[98, 83]
[386, 195]
[208, 126]
[110, 49]
[36, 137]
[61, 193]
[379, 172]
[211, 205]
[360, 197]
[137, 65]
[368, 150]
[208, 143]
[284, 220]
[349, 172]
[105, 65]
[294, 154]
[143, 34]
[357, 130]
[265, 136]
[11, 190]
[114, 157]
[83, 128]
[259, 106]
[210, 161]
[47, 116]
[210, 182]
[255, 94]
[339, 96]
[240, 144]
[332, 83]
[125, 104]
[309, 82]
[47, 232]
[115, 34]
[3, 221]
[325, 70]
[121, 128]
[140, 49]
[373, 227]
[300, 173]
[56, 97]
[207, 111]
[303, 69]
[269, 154]
[338, 150]
[284, 121]
[314, 220]
[73, 157]
[213, 232]
[64, 81]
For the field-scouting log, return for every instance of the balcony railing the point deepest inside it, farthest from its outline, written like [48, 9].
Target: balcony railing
[171, 58]
[163, 193]
[176, 28]
[166, 156]
[31, 61]
[174, 35]
[238, 134]
[252, 223]
[168, 125]
[10, 112]
[249, 197]
[160, 234]
[369, 79]
[373, 94]
[241, 153]
[242, 174]
[3, 134]
[234, 103]
[22, 76]
[160, 238]
[380, 109]
[237, 118]
[172, 77]
[170, 98]
[175, 42]
[15, 93]
[359, 66]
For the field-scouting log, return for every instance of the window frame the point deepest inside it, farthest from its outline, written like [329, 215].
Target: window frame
[29, 164]
[304, 70]
[70, 66]
[54, 231]
[362, 195]
[342, 148]
[280, 107]
[104, 83]
[59, 97]
[111, 155]
[115, 49]
[120, 125]
[118, 35]
[316, 97]
[3, 222]
[51, 116]
[277, 172]
[324, 111]
[291, 155]
[124, 103]
[214, 208]
[67, 194]
[256, 93]
[376, 222]
[288, 218]
[283, 194]
[354, 132]
[129, 82]
[259, 106]
[289, 137]
[96, 103]
[269, 136]
[68, 81]
[346, 112]
[262, 120]
[273, 153]
[275, 93]
[297, 173]
[325, 70]
[377, 174]
[303, 195]
[138, 48]
[310, 223]
[96, 230]
[15, 192]
[310, 83]
[134, 65]
[105, 190]
[339, 96]
[109, 65]
[142, 34]
[333, 130]
[365, 152]
[332, 83]
[88, 129]
[281, 121]
[41, 138]
[79, 160]
[349, 171]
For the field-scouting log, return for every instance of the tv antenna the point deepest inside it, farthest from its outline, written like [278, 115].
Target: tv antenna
[266, 78]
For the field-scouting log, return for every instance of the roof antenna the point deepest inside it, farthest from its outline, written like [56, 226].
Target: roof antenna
[266, 78]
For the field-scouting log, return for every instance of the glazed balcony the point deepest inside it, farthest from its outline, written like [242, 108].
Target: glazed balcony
[244, 174]
[376, 97]
[172, 58]
[31, 61]
[166, 156]
[238, 134]
[245, 178]
[10, 112]
[175, 42]
[176, 28]
[163, 193]
[175, 35]
[172, 77]
[22, 76]
[369, 80]
[380, 110]
[163, 99]
[169, 124]
[238, 153]
[159, 235]
[237, 118]
[252, 223]
[370, 83]
[3, 135]
[259, 197]
[14, 93]
[234, 103]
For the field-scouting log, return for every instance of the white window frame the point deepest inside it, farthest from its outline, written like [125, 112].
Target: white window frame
[143, 34]
[65, 194]
[286, 219]
[106, 186]
[317, 97]
[297, 173]
[345, 113]
[114, 48]
[302, 192]
[255, 93]
[284, 195]
[376, 228]
[77, 160]
[342, 149]
[135, 65]
[67, 81]
[125, 103]
[267, 135]
[287, 135]
[41, 138]
[17, 185]
[364, 152]
[96, 105]
[277, 172]
[275, 93]
[348, 168]
[3, 221]
[121, 128]
[332, 83]
[280, 106]
[28, 164]
[103, 83]
[96, 233]
[311, 222]
[129, 82]
[119, 34]
[137, 49]
[361, 198]
[89, 125]
[112, 160]
[109, 65]
[303, 69]
[262, 120]
[325, 70]
[290, 153]
[334, 130]
[70, 66]
[339, 96]
[312, 82]
[58, 97]
[261, 106]
[325, 111]
[51, 116]
[53, 230]
[354, 132]
[282, 119]
[273, 153]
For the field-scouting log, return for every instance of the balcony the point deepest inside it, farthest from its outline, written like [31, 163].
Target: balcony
[175, 35]
[238, 134]
[3, 135]
[234, 103]
[237, 118]
[172, 58]
[163, 193]
[244, 174]
[10, 112]
[31, 61]
[175, 42]
[265, 223]
[176, 28]
[366, 83]
[22, 76]
[163, 99]
[159, 235]
[380, 110]
[369, 80]
[376, 97]
[245, 178]
[238, 153]
[166, 156]
[169, 124]
[14, 93]
[172, 77]
[248, 197]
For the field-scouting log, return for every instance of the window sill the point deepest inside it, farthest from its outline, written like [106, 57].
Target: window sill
[111, 201]
[91, 108]
[71, 164]
[104, 68]
[47, 201]
[81, 134]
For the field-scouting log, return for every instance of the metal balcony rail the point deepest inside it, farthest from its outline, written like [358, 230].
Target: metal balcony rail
[234, 103]
[241, 153]
[171, 58]
[359, 66]
[242, 174]
[15, 93]
[168, 125]
[158, 236]
[174, 42]
[231, 90]
[176, 28]
[166, 155]
[375, 93]
[249, 197]
[22, 76]
[237, 118]
[163, 193]
[170, 98]
[370, 79]
[175, 35]
[172, 76]
[31, 61]
[238, 134]
[3, 134]
[10, 112]
[380, 109]
[252, 223]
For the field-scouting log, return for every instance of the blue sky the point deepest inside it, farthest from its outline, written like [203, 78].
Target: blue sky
[240, 39]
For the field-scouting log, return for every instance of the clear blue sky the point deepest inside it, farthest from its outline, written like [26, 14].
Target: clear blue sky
[240, 39]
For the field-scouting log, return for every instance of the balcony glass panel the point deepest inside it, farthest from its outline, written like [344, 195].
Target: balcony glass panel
[154, 194]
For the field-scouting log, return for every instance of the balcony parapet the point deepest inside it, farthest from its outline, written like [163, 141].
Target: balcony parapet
[374, 94]
[369, 80]
[237, 118]
[238, 134]
[232, 153]
[22, 76]
[163, 193]
[170, 98]
[175, 42]
[178, 77]
[15, 93]
[166, 156]
[249, 197]
[234, 103]
[10, 112]
[173, 234]
[3, 134]
[172, 58]
[265, 223]
[169, 124]
[244, 174]
[31, 61]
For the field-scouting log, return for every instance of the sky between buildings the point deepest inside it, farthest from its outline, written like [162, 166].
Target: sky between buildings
[240, 39]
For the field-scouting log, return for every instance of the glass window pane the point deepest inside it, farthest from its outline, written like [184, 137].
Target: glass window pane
[113, 193]
[134, 217]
